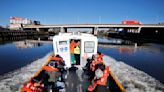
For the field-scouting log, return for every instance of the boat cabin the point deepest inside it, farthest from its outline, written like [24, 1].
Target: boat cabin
[65, 45]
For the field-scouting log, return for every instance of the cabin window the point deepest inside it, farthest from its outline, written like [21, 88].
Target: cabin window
[89, 46]
[62, 42]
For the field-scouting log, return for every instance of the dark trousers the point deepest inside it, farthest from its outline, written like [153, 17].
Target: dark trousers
[77, 58]
[63, 73]
[101, 88]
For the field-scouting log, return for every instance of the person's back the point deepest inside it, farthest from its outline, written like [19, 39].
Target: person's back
[100, 79]
[72, 45]
[95, 61]
[63, 71]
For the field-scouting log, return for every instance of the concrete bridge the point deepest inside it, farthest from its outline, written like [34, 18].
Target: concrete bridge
[95, 27]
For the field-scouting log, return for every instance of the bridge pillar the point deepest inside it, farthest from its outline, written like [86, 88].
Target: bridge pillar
[22, 27]
[37, 29]
[65, 30]
[62, 29]
[95, 31]
[139, 30]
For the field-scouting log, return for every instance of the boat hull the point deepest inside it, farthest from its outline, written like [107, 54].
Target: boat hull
[77, 80]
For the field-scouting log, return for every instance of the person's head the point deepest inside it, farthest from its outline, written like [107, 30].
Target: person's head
[72, 40]
[95, 56]
[89, 59]
[58, 56]
[99, 53]
[78, 43]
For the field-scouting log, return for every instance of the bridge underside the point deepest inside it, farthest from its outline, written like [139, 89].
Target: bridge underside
[94, 30]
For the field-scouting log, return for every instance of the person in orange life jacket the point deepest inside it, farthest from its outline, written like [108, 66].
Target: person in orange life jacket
[53, 71]
[95, 61]
[52, 64]
[35, 86]
[87, 68]
[72, 46]
[61, 61]
[99, 83]
[100, 55]
[61, 67]
[56, 62]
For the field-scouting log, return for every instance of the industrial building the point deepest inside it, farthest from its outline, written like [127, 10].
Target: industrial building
[19, 23]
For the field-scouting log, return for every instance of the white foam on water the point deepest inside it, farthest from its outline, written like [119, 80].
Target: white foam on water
[13, 81]
[132, 79]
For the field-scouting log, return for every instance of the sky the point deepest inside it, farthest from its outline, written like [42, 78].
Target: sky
[83, 11]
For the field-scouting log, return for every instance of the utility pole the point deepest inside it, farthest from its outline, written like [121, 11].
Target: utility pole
[99, 19]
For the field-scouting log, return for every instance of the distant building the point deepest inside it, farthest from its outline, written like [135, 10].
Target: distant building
[18, 22]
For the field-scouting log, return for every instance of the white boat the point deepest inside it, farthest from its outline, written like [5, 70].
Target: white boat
[88, 46]
[76, 80]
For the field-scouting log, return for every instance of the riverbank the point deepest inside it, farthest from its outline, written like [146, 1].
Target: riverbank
[19, 33]
[158, 38]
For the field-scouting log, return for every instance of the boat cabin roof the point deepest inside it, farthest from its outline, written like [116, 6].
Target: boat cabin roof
[74, 35]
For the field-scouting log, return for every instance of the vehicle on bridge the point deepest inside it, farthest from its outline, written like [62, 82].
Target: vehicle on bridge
[131, 22]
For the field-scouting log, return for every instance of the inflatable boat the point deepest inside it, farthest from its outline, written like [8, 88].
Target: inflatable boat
[62, 73]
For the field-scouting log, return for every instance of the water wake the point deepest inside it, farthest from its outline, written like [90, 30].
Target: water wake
[13, 81]
[132, 79]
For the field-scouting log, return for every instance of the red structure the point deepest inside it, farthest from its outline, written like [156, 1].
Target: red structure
[131, 22]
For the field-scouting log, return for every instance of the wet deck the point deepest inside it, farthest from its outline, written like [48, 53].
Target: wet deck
[76, 80]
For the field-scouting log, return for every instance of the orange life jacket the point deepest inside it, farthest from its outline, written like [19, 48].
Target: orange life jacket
[55, 58]
[72, 45]
[101, 56]
[29, 87]
[94, 63]
[49, 68]
[58, 59]
[92, 87]
[102, 81]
